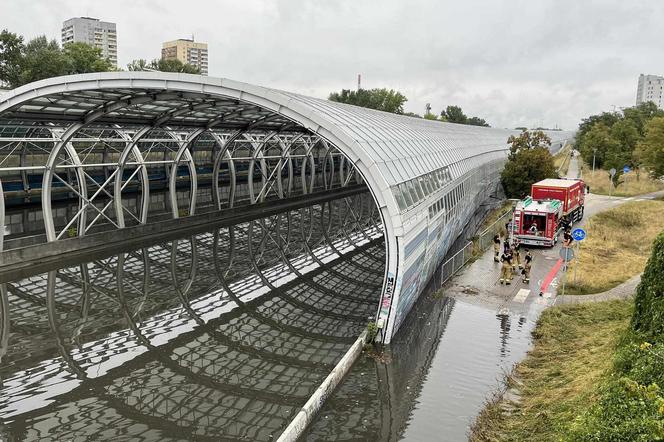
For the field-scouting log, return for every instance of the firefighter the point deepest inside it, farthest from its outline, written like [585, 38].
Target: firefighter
[496, 248]
[533, 229]
[506, 269]
[516, 254]
[565, 223]
[527, 265]
[567, 238]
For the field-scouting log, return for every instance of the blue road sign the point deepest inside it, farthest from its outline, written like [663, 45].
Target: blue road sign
[579, 234]
[626, 169]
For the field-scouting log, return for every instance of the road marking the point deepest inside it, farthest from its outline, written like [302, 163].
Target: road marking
[551, 275]
[521, 295]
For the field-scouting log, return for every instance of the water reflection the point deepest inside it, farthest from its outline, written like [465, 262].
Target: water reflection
[219, 335]
[442, 363]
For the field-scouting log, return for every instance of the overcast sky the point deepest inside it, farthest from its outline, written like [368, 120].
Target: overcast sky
[514, 63]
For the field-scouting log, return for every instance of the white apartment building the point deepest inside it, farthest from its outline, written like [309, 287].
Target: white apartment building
[650, 88]
[95, 32]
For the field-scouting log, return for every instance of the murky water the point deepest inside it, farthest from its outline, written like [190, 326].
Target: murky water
[443, 363]
[220, 335]
[225, 334]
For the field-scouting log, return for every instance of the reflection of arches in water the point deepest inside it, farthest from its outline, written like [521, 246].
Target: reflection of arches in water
[297, 316]
[376, 399]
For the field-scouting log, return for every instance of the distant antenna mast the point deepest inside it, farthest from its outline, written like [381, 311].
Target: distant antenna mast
[359, 81]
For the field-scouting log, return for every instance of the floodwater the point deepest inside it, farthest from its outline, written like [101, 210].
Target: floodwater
[222, 335]
[444, 363]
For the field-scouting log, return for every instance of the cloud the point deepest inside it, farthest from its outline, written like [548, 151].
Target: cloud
[513, 62]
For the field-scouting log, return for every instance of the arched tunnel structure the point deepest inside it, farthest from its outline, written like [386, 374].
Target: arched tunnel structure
[111, 142]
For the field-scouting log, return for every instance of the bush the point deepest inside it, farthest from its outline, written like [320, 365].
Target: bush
[627, 411]
[648, 315]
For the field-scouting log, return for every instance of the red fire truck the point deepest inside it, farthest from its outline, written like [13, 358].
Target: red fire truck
[538, 219]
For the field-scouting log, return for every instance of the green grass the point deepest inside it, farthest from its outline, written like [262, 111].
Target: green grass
[562, 159]
[632, 184]
[560, 377]
[617, 247]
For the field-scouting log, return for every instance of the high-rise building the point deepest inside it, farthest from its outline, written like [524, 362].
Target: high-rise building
[650, 88]
[187, 51]
[95, 32]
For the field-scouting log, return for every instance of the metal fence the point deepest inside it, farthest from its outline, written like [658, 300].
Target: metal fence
[458, 260]
[486, 237]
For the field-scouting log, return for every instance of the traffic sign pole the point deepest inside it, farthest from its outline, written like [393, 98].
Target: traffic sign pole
[576, 264]
[579, 235]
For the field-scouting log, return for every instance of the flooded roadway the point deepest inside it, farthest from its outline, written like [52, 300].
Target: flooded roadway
[225, 334]
[221, 335]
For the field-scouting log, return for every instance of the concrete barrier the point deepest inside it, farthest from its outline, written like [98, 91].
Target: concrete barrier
[306, 415]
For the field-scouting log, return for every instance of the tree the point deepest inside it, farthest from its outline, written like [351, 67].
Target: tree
[163, 65]
[454, 114]
[648, 316]
[528, 140]
[640, 115]
[529, 161]
[477, 121]
[11, 53]
[174, 65]
[379, 99]
[139, 65]
[431, 116]
[85, 58]
[651, 149]
[40, 58]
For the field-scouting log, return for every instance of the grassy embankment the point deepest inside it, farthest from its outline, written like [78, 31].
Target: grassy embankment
[632, 185]
[489, 220]
[617, 247]
[559, 377]
[594, 373]
[562, 159]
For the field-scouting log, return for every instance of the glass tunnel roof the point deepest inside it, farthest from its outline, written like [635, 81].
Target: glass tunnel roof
[395, 148]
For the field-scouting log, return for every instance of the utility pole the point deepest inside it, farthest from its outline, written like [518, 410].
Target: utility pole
[359, 81]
